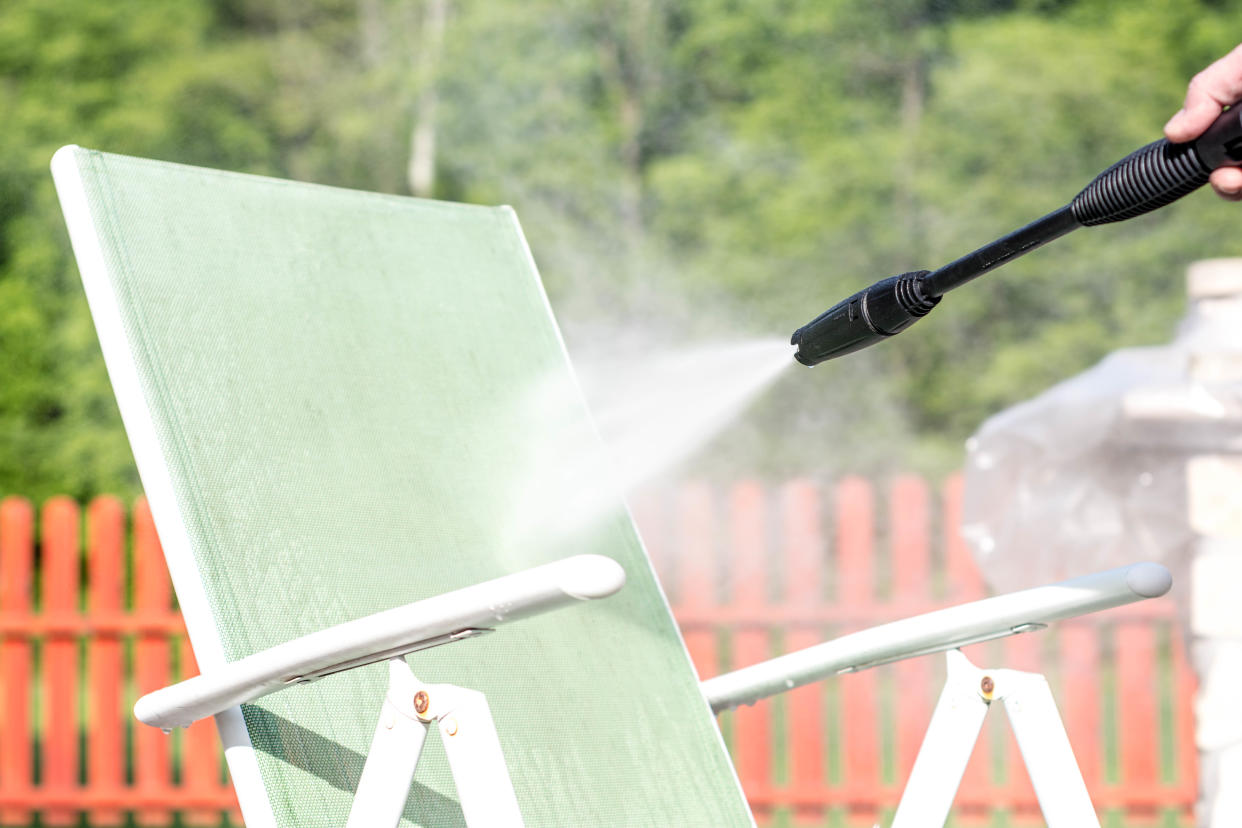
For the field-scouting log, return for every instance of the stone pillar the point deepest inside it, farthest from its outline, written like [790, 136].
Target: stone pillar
[1200, 420]
[1214, 495]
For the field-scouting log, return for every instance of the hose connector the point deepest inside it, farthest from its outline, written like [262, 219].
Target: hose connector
[886, 308]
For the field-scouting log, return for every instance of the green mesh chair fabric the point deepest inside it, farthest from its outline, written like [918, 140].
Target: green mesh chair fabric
[342, 402]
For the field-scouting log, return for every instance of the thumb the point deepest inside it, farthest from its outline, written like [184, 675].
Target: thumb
[1209, 92]
[1176, 127]
[1196, 115]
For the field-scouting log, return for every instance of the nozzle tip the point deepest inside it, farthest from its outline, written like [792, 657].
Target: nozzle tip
[796, 342]
[886, 308]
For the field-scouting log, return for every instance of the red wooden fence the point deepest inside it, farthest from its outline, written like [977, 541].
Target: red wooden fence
[87, 623]
[50, 629]
[754, 572]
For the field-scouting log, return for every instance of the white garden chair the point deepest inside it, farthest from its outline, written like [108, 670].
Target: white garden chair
[345, 408]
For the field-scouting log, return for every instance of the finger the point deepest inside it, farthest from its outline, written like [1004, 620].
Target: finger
[1227, 182]
[1209, 92]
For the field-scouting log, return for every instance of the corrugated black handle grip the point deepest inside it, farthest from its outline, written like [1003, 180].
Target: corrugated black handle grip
[1160, 173]
[1146, 179]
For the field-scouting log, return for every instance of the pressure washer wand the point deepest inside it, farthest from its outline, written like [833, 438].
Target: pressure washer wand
[1147, 179]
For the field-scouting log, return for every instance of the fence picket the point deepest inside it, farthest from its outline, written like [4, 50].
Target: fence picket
[696, 591]
[152, 668]
[1186, 755]
[909, 519]
[802, 544]
[61, 562]
[1138, 738]
[963, 583]
[1079, 697]
[963, 580]
[860, 736]
[16, 589]
[106, 746]
[748, 589]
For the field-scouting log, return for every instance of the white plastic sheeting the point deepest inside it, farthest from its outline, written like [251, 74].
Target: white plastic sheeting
[1091, 474]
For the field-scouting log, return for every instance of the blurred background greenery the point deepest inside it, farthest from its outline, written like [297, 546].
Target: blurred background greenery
[690, 169]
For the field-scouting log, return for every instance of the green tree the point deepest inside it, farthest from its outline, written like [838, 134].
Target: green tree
[703, 168]
[172, 85]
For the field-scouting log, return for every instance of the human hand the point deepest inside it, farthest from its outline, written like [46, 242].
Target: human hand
[1210, 91]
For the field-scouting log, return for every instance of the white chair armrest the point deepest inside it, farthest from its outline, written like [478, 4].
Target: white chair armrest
[938, 631]
[445, 618]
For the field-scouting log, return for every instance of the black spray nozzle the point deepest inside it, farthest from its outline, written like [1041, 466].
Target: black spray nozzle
[886, 308]
[1145, 180]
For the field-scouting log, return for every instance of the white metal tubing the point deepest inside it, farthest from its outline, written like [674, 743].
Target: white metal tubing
[384, 785]
[472, 745]
[946, 749]
[431, 621]
[938, 631]
[1046, 750]
[954, 729]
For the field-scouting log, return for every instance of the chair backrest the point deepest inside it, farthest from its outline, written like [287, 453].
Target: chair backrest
[341, 402]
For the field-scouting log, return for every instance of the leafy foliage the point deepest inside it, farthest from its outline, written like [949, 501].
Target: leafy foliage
[701, 168]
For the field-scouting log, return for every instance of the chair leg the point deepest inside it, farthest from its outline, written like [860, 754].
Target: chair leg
[470, 742]
[389, 770]
[954, 729]
[946, 748]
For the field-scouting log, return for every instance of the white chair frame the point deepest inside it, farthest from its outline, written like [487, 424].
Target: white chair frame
[473, 748]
